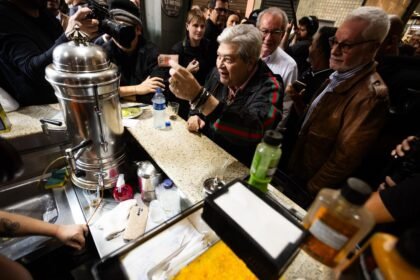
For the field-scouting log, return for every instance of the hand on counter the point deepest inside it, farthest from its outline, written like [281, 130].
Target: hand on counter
[72, 235]
[195, 123]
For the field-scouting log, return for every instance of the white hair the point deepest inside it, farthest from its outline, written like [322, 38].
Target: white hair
[274, 11]
[378, 22]
[247, 37]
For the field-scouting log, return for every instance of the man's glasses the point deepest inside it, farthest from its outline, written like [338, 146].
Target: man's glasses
[346, 47]
[275, 32]
[221, 10]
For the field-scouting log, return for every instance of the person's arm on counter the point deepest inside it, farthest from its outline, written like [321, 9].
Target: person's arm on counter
[14, 225]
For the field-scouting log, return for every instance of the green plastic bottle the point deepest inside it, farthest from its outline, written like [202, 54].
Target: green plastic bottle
[266, 159]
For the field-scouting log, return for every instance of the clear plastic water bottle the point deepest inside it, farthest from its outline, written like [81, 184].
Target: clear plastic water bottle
[159, 115]
[168, 196]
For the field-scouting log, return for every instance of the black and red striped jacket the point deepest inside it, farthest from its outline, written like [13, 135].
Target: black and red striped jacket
[240, 126]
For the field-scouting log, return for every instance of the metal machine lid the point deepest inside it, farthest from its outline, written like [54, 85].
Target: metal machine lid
[74, 57]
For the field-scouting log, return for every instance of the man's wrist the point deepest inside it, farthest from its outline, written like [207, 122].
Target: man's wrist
[195, 99]
[198, 102]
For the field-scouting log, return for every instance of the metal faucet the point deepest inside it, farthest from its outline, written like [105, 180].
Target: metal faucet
[72, 154]
[47, 130]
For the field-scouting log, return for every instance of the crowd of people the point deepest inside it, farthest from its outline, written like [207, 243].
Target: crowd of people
[336, 94]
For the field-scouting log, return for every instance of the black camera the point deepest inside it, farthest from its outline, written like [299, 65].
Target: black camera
[122, 33]
[402, 167]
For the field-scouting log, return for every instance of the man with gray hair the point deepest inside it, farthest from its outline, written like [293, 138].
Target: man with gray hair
[344, 119]
[272, 24]
[240, 100]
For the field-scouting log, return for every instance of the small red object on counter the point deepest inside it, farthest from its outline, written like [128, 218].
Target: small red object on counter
[122, 191]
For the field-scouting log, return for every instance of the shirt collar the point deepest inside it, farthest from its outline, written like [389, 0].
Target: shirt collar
[234, 91]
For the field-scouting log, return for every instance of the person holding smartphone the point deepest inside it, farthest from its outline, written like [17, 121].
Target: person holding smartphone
[302, 90]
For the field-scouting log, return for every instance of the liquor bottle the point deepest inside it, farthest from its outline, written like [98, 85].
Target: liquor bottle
[159, 106]
[265, 161]
[337, 221]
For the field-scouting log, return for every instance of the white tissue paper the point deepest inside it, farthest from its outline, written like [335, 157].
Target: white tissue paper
[115, 221]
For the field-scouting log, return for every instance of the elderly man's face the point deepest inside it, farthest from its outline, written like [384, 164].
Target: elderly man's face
[272, 28]
[232, 69]
[350, 49]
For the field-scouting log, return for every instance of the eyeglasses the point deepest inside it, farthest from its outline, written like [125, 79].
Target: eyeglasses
[221, 10]
[346, 47]
[275, 32]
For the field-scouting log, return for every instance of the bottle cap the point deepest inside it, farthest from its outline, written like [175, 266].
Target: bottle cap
[273, 137]
[167, 124]
[356, 191]
[408, 246]
[167, 183]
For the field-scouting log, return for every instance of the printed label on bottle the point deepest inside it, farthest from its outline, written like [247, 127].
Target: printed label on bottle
[270, 172]
[159, 106]
[327, 235]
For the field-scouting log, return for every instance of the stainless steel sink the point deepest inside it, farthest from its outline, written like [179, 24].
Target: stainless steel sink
[24, 196]
[30, 199]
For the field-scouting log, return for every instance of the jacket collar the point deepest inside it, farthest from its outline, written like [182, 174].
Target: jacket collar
[349, 83]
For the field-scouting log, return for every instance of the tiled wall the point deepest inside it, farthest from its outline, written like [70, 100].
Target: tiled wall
[331, 10]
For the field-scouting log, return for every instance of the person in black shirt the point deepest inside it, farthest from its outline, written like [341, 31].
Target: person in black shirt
[299, 50]
[193, 53]
[193, 50]
[138, 65]
[28, 35]
[214, 25]
[396, 205]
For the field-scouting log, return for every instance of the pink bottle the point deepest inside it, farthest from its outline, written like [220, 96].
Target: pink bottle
[122, 191]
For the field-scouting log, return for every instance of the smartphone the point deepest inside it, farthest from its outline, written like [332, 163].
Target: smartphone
[298, 85]
[163, 59]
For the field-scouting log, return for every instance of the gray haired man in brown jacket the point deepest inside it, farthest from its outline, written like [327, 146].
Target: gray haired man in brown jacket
[345, 118]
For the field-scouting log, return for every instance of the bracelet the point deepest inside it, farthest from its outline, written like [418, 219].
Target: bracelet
[203, 101]
[204, 96]
[194, 101]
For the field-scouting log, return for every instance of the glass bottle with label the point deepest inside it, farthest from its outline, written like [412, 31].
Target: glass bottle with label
[265, 161]
[337, 221]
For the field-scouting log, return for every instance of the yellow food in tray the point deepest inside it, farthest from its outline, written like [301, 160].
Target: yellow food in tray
[218, 262]
[131, 112]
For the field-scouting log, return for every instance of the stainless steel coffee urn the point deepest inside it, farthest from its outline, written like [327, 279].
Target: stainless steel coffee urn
[86, 85]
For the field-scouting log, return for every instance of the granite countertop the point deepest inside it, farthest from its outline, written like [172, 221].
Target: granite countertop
[25, 121]
[187, 158]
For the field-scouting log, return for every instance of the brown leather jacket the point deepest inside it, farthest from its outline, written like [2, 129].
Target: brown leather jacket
[340, 131]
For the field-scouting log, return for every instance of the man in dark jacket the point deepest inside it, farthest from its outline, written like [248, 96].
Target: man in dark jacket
[28, 35]
[343, 121]
[241, 99]
[214, 26]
